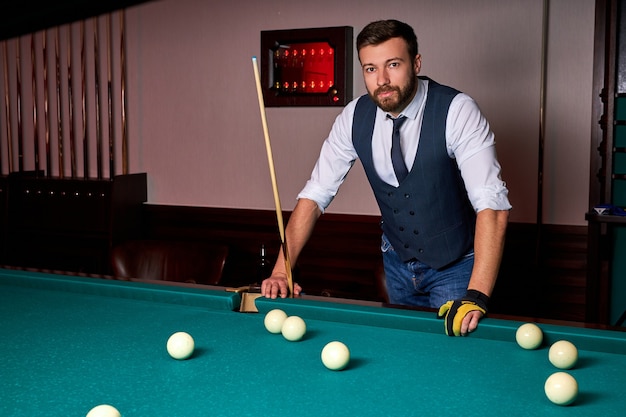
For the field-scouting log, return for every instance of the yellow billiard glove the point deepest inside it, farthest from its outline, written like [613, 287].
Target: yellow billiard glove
[454, 311]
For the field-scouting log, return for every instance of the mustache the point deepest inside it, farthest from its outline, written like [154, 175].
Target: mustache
[385, 89]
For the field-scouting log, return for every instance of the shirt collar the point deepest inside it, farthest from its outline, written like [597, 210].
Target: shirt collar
[412, 109]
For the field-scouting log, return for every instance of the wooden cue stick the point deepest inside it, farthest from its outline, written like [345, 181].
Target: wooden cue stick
[7, 108]
[123, 91]
[35, 121]
[270, 160]
[59, 105]
[71, 102]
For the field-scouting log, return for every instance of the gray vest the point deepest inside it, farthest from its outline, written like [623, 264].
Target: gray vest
[428, 217]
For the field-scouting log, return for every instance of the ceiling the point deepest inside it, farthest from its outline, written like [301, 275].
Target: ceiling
[20, 17]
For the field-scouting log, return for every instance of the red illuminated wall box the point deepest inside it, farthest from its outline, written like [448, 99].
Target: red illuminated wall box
[307, 67]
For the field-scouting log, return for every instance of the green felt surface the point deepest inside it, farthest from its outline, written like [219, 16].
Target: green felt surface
[65, 350]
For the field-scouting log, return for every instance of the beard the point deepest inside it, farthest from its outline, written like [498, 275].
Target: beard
[397, 103]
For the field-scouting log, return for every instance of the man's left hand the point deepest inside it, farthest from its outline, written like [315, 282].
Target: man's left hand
[461, 316]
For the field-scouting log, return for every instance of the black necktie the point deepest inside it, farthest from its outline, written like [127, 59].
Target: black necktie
[397, 160]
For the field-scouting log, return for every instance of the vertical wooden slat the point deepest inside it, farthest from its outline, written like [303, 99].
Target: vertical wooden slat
[46, 109]
[7, 104]
[34, 103]
[20, 136]
[123, 91]
[59, 104]
[84, 101]
[97, 96]
[72, 143]
[110, 101]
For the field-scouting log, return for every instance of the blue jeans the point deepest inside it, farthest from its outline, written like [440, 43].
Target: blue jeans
[414, 283]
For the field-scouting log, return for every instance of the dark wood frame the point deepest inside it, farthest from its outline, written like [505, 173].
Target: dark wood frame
[603, 104]
[599, 248]
[339, 37]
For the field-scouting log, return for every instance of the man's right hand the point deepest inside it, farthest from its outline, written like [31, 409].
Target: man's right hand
[277, 286]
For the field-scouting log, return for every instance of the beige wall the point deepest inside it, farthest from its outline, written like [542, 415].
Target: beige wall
[193, 116]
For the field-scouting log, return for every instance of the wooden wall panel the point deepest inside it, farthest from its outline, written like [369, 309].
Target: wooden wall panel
[343, 257]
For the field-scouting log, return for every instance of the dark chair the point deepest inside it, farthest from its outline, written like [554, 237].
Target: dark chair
[192, 262]
[381, 284]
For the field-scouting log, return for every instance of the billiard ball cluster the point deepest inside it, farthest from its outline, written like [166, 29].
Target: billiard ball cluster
[335, 355]
[180, 345]
[561, 387]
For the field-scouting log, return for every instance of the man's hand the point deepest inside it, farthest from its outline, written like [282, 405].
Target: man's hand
[277, 286]
[461, 316]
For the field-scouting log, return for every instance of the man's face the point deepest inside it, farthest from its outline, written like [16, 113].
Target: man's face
[390, 74]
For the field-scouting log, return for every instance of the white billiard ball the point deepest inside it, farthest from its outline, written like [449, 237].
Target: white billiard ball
[104, 410]
[563, 354]
[529, 336]
[561, 388]
[274, 320]
[335, 356]
[293, 328]
[180, 345]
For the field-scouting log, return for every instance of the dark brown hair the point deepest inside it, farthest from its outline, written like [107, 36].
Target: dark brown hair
[380, 31]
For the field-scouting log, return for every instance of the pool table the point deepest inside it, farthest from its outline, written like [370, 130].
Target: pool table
[69, 343]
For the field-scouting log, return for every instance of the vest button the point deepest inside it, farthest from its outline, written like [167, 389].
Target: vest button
[395, 211]
[390, 194]
[416, 232]
[406, 246]
[407, 196]
[420, 250]
[412, 213]
[401, 228]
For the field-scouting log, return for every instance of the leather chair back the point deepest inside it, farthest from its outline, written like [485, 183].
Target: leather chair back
[193, 262]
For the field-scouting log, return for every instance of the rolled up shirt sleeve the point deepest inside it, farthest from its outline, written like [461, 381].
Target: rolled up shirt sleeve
[485, 188]
[336, 158]
[471, 141]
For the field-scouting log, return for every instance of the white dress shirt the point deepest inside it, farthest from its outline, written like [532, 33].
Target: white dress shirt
[468, 138]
